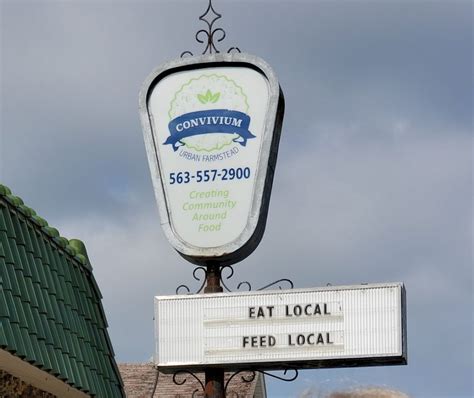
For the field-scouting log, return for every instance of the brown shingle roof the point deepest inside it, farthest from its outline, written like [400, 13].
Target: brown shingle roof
[139, 380]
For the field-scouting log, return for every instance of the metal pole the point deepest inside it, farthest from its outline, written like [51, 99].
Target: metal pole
[214, 387]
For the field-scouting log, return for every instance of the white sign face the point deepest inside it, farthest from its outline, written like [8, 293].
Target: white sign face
[325, 327]
[209, 147]
[209, 134]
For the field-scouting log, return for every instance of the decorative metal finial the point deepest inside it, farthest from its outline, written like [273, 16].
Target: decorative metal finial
[209, 17]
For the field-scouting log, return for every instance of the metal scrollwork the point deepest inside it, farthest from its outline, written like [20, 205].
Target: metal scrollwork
[244, 283]
[287, 379]
[210, 36]
[247, 285]
[186, 53]
[250, 375]
[180, 383]
[179, 289]
[245, 378]
[234, 49]
[278, 282]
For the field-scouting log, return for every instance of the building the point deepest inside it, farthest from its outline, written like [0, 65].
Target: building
[140, 380]
[53, 330]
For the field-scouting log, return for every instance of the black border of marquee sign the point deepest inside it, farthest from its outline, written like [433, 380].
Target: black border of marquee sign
[251, 236]
[346, 362]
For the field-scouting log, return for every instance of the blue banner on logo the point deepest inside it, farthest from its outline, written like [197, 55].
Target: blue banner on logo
[209, 122]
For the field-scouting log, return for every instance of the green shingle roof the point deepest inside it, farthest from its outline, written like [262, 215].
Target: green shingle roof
[50, 305]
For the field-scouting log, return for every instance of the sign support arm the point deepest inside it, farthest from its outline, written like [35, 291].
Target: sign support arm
[214, 377]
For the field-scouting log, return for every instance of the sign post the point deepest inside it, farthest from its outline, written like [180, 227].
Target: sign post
[214, 386]
[212, 126]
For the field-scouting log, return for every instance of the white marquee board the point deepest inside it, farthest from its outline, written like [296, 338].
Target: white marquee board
[212, 127]
[359, 325]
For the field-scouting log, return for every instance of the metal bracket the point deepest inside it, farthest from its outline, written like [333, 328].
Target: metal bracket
[184, 289]
[247, 376]
[249, 286]
[196, 270]
[180, 383]
[251, 374]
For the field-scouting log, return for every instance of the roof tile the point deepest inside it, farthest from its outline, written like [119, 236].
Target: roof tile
[51, 311]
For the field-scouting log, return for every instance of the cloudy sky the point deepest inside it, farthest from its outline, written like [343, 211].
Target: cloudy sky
[373, 181]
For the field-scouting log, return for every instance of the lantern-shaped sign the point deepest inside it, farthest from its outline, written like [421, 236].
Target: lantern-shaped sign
[212, 127]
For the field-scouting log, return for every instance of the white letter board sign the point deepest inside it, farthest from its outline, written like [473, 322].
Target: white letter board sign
[359, 325]
[212, 126]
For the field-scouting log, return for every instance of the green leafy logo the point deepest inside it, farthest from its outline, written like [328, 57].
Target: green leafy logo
[208, 97]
